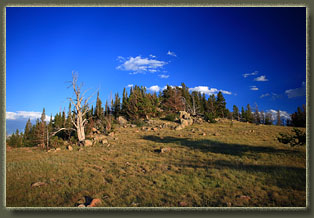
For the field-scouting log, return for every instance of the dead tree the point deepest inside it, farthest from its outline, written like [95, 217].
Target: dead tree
[80, 108]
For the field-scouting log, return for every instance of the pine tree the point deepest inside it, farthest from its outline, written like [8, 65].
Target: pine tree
[298, 119]
[221, 105]
[249, 115]
[257, 117]
[268, 119]
[117, 106]
[243, 115]
[235, 113]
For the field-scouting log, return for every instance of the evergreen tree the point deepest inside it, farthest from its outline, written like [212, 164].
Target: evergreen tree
[99, 110]
[298, 119]
[235, 113]
[249, 115]
[243, 115]
[268, 119]
[211, 102]
[257, 117]
[187, 97]
[172, 100]
[221, 105]
[117, 106]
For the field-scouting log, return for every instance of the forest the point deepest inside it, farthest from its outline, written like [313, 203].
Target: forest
[137, 107]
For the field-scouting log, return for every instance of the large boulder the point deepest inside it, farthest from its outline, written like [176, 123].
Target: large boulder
[122, 121]
[184, 115]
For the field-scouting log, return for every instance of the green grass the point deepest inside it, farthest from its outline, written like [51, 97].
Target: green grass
[238, 167]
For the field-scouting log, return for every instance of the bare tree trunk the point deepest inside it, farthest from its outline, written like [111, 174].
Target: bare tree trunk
[81, 108]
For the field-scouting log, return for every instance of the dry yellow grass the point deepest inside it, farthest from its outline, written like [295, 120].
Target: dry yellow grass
[209, 165]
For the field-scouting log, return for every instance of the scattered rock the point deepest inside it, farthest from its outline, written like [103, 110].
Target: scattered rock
[95, 202]
[133, 125]
[88, 143]
[203, 134]
[228, 204]
[122, 120]
[164, 150]
[104, 141]
[69, 147]
[80, 149]
[245, 197]
[137, 131]
[154, 129]
[37, 184]
[216, 134]
[111, 134]
[81, 205]
[183, 204]
[58, 149]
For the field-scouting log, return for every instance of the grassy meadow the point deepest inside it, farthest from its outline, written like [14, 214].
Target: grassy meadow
[206, 165]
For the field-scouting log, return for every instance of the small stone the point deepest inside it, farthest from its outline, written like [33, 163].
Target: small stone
[163, 150]
[69, 147]
[58, 149]
[216, 134]
[80, 149]
[37, 184]
[111, 134]
[81, 205]
[88, 143]
[183, 204]
[203, 134]
[133, 125]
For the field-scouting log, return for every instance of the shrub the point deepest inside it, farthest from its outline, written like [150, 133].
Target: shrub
[299, 138]
[138, 123]
[209, 117]
[171, 117]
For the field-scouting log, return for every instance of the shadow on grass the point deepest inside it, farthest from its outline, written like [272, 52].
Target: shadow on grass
[207, 145]
[282, 176]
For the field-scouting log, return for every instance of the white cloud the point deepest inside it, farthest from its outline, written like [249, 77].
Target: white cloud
[163, 76]
[129, 86]
[207, 91]
[250, 74]
[155, 88]
[171, 53]
[152, 56]
[264, 95]
[283, 114]
[254, 88]
[298, 92]
[261, 79]
[141, 65]
[24, 115]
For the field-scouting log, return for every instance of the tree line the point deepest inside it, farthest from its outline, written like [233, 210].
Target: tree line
[136, 106]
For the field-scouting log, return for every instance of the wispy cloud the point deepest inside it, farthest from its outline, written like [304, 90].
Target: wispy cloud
[152, 56]
[253, 88]
[163, 76]
[298, 92]
[208, 91]
[261, 79]
[20, 115]
[129, 86]
[264, 95]
[171, 53]
[141, 65]
[250, 74]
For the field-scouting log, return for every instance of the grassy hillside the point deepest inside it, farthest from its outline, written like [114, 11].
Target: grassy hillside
[210, 165]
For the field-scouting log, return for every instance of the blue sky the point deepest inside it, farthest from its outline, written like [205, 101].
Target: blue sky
[253, 55]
